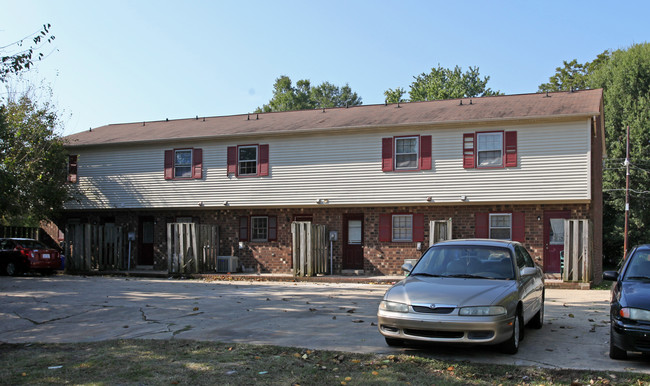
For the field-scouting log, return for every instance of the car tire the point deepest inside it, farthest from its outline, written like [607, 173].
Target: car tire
[615, 352]
[511, 346]
[538, 320]
[392, 342]
[11, 269]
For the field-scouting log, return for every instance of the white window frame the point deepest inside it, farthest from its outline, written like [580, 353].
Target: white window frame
[408, 227]
[490, 227]
[240, 161]
[255, 228]
[417, 153]
[183, 166]
[480, 150]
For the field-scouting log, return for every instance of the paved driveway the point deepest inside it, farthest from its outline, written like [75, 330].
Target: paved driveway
[311, 315]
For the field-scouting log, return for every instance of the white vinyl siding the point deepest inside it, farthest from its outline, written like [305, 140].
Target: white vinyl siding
[343, 169]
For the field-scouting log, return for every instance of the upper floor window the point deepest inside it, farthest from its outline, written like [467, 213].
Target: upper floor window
[248, 160]
[490, 149]
[183, 164]
[406, 153]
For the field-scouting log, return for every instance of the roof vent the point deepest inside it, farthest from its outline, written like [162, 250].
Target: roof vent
[461, 103]
[166, 119]
[470, 101]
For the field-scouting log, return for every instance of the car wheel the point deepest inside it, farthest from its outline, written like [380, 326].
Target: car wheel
[11, 269]
[538, 320]
[392, 342]
[615, 352]
[511, 346]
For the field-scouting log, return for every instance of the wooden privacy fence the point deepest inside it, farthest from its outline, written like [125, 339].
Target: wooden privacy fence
[95, 247]
[577, 251]
[192, 247]
[309, 250]
[25, 232]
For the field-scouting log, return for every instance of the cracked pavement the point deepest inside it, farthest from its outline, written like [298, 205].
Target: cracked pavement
[323, 316]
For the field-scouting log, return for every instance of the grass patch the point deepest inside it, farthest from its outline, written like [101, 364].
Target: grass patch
[181, 362]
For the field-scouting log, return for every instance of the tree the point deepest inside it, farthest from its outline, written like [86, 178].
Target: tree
[573, 76]
[286, 97]
[23, 59]
[394, 96]
[32, 162]
[445, 83]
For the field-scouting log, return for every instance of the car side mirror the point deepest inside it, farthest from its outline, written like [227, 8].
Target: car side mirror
[528, 271]
[610, 275]
[407, 267]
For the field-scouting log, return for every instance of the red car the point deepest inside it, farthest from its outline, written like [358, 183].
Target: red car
[18, 255]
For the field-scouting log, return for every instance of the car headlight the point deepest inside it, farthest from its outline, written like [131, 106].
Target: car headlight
[635, 313]
[393, 306]
[482, 311]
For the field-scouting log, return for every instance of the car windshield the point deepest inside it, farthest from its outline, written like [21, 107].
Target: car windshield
[466, 262]
[31, 244]
[639, 266]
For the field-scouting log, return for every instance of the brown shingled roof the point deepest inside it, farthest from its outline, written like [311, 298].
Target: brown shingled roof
[505, 107]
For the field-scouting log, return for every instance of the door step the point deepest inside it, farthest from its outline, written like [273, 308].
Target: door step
[353, 272]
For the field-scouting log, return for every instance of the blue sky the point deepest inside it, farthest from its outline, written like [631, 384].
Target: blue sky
[130, 61]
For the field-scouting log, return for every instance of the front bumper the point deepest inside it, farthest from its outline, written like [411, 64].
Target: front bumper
[445, 328]
[631, 337]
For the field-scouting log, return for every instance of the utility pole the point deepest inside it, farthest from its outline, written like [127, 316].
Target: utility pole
[627, 191]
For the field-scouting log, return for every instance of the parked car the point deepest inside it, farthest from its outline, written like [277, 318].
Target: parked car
[630, 305]
[18, 255]
[465, 291]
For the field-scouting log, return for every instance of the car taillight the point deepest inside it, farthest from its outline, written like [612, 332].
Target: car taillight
[25, 252]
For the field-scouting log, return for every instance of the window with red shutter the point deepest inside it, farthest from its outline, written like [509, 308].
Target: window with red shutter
[482, 225]
[169, 164]
[273, 228]
[511, 148]
[518, 227]
[264, 160]
[418, 227]
[387, 154]
[385, 227]
[197, 163]
[232, 160]
[425, 152]
[243, 228]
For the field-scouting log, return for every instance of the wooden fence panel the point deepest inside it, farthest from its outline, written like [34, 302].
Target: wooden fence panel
[578, 241]
[94, 247]
[309, 248]
[192, 247]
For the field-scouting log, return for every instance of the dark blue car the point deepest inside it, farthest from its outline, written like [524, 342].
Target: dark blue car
[630, 304]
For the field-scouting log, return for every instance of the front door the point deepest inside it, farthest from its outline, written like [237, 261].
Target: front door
[145, 241]
[554, 239]
[352, 241]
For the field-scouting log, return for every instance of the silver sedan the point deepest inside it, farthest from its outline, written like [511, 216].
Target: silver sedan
[466, 291]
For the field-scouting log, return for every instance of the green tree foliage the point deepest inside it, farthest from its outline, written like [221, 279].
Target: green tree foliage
[445, 83]
[573, 75]
[304, 96]
[394, 96]
[23, 58]
[32, 162]
[625, 79]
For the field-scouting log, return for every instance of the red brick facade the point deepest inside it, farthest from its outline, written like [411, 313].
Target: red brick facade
[380, 258]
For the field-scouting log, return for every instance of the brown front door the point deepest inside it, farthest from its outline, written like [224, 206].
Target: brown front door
[352, 241]
[145, 241]
[554, 239]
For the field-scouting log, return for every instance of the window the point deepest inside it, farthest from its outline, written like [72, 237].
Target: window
[248, 160]
[501, 226]
[410, 153]
[260, 228]
[72, 169]
[489, 149]
[183, 164]
[402, 228]
[406, 153]
[354, 232]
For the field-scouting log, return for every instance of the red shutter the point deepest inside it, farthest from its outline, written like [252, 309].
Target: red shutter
[418, 227]
[273, 228]
[264, 160]
[482, 226]
[72, 169]
[232, 160]
[197, 163]
[469, 157]
[169, 164]
[511, 149]
[385, 227]
[387, 154]
[518, 227]
[425, 152]
[243, 228]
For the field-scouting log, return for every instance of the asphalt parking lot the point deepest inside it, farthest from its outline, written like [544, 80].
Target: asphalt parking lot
[322, 316]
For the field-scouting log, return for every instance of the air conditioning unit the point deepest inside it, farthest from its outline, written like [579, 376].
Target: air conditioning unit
[227, 263]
